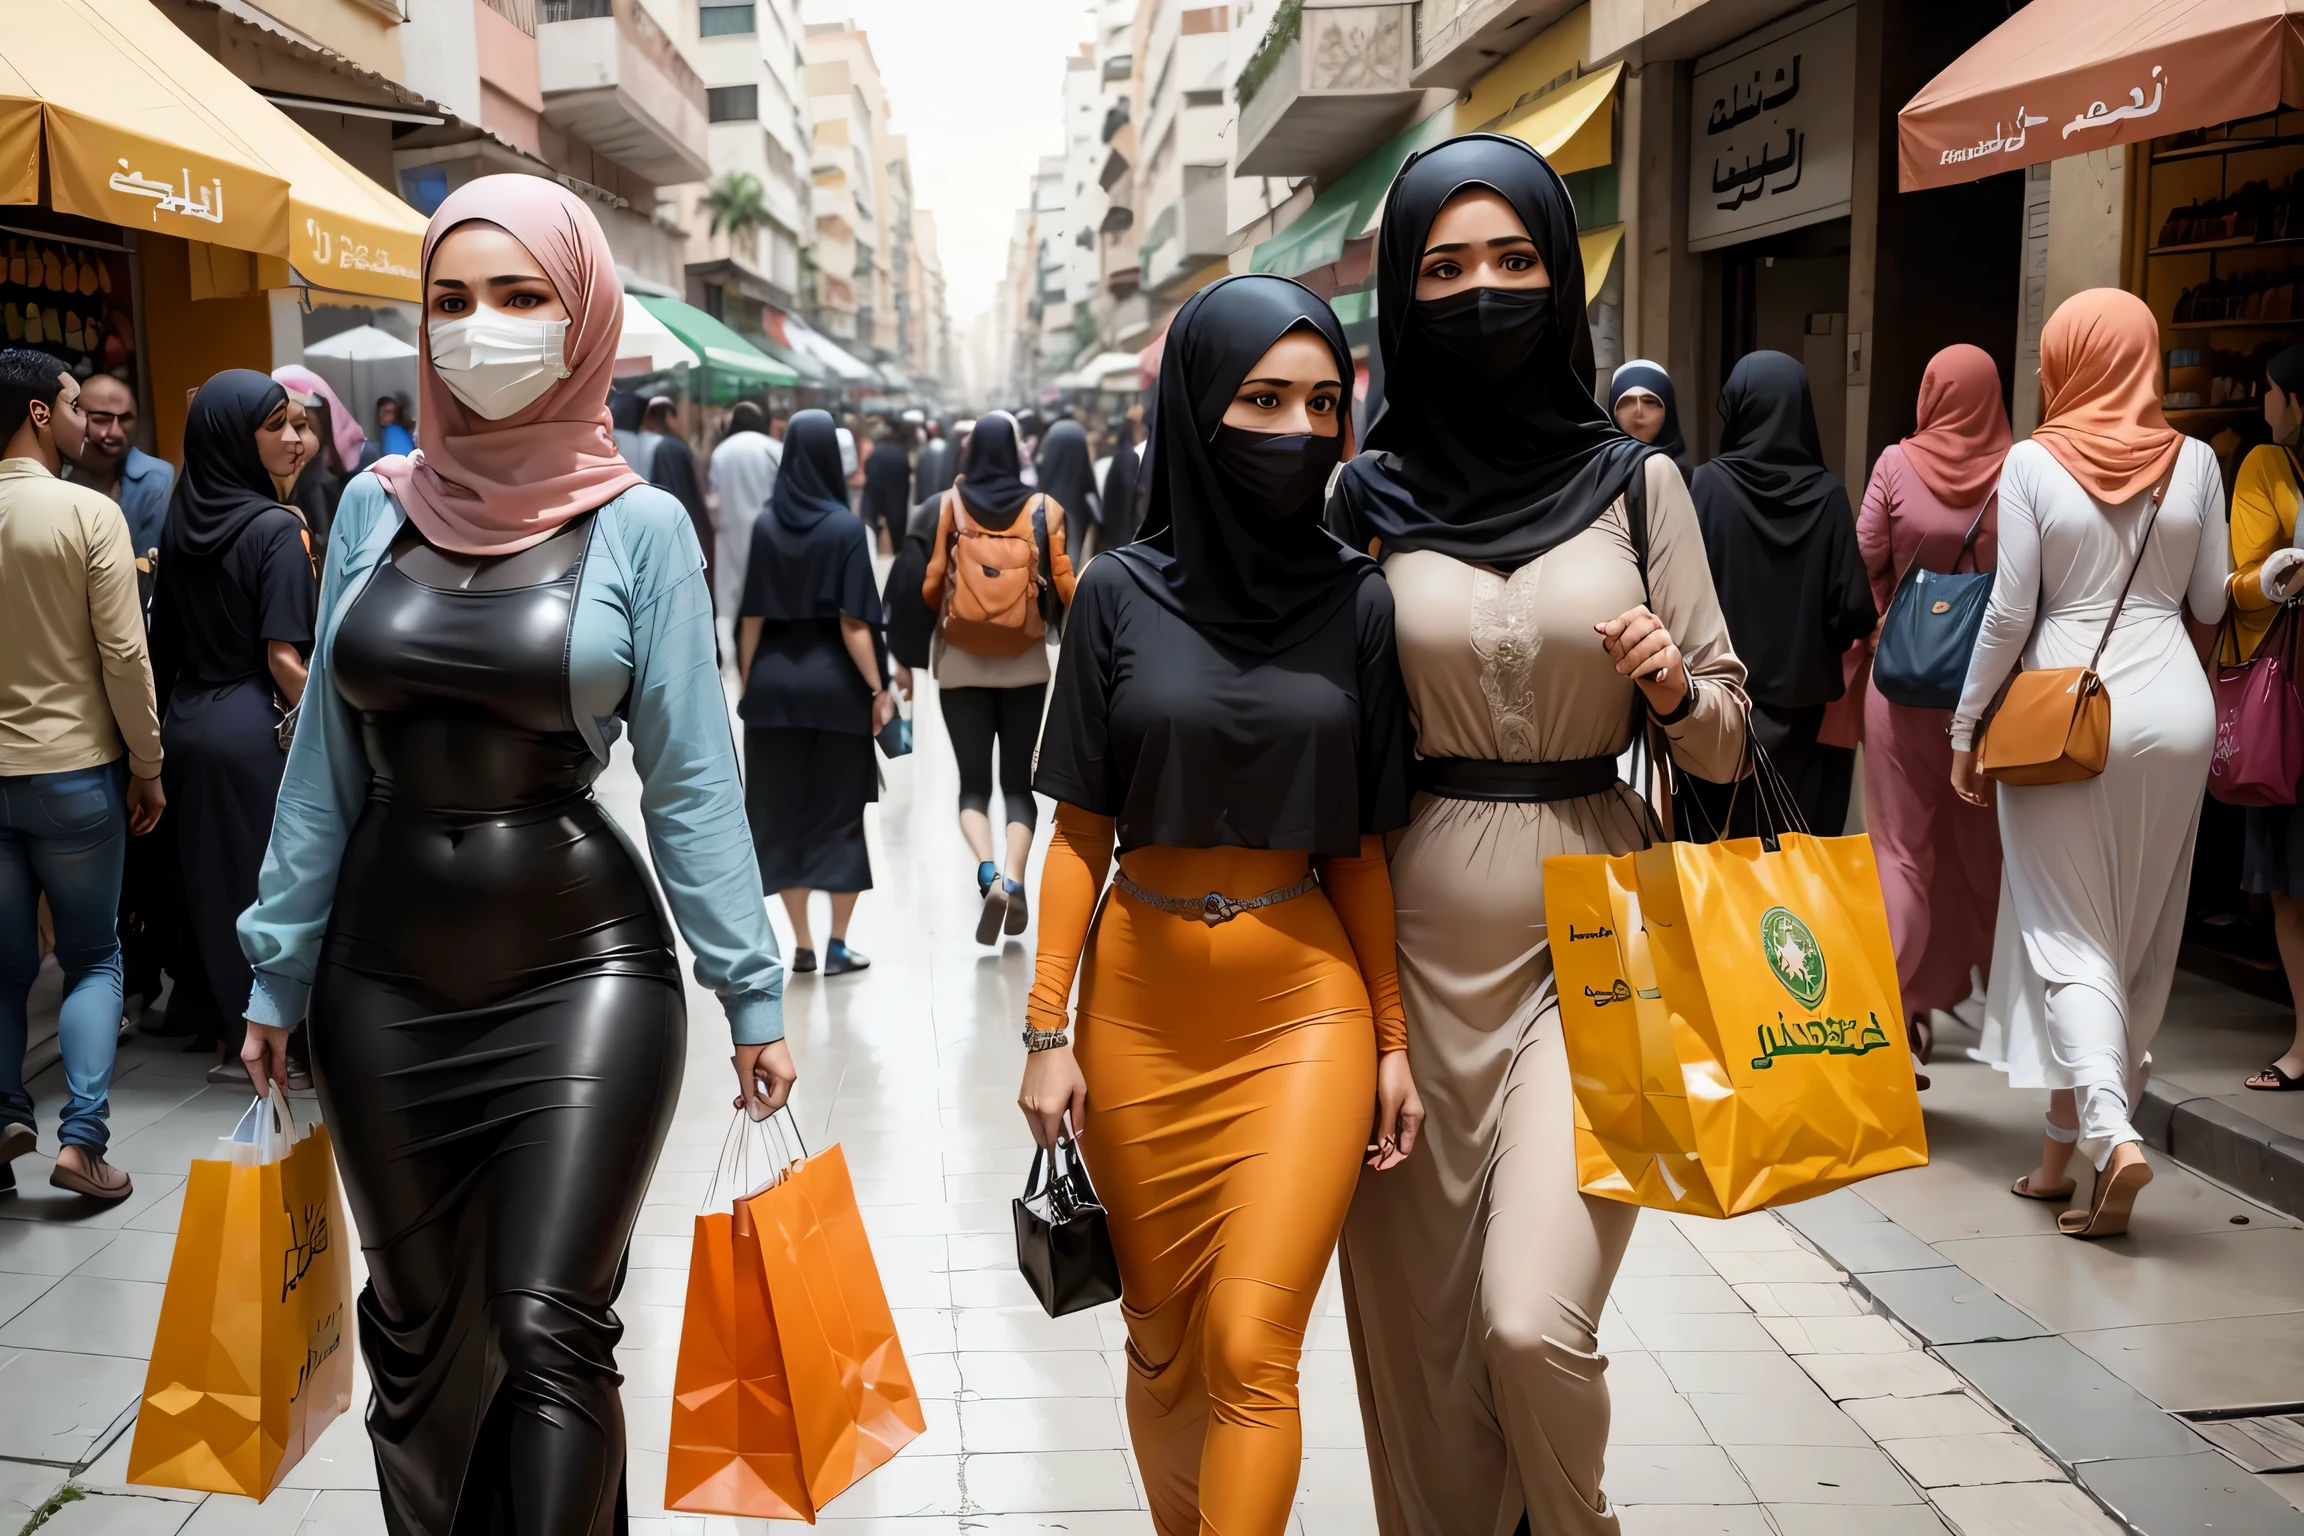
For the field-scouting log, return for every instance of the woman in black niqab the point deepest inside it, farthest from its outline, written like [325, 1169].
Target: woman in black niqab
[1523, 459]
[1068, 478]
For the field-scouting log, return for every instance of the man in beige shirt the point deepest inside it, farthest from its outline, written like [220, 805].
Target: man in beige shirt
[79, 760]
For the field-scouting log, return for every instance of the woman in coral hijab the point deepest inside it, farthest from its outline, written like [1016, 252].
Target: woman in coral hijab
[499, 1035]
[2105, 498]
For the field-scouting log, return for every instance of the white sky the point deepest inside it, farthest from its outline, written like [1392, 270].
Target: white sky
[976, 87]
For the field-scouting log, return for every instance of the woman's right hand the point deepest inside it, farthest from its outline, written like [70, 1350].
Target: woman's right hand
[264, 1052]
[764, 1078]
[1053, 1087]
[883, 710]
[1968, 781]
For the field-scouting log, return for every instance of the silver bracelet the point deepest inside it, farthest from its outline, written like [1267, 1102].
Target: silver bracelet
[1036, 1040]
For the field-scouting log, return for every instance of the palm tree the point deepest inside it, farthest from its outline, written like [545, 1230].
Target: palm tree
[736, 203]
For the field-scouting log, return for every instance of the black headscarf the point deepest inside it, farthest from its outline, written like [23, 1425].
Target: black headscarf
[1120, 477]
[1494, 473]
[1643, 374]
[991, 472]
[802, 563]
[938, 462]
[1238, 574]
[223, 484]
[1770, 467]
[1068, 476]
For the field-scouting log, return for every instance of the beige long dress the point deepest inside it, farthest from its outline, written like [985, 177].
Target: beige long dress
[1475, 1272]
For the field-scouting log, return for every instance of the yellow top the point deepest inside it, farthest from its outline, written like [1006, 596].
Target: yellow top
[2264, 502]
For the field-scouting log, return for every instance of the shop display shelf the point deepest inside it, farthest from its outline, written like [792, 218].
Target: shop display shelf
[2234, 325]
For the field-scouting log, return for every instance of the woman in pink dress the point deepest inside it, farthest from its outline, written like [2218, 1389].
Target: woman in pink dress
[1939, 856]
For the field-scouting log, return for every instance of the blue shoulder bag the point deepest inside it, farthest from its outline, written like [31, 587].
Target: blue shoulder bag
[1930, 632]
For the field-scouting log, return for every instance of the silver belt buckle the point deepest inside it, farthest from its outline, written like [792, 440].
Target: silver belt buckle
[1216, 908]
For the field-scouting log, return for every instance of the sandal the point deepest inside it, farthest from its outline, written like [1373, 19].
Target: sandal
[2272, 1080]
[2114, 1198]
[1922, 1036]
[2023, 1190]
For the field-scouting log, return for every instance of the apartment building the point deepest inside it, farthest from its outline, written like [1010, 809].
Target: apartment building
[749, 222]
[852, 297]
[1183, 200]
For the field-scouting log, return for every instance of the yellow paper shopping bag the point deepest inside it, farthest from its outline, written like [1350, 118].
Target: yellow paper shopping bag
[1733, 1024]
[252, 1358]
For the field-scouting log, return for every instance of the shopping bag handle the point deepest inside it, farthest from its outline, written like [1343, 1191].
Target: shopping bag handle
[268, 1126]
[736, 1159]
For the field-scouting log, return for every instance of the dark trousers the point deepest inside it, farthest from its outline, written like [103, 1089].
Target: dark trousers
[974, 718]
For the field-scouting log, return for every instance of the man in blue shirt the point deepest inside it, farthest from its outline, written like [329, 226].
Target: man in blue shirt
[109, 463]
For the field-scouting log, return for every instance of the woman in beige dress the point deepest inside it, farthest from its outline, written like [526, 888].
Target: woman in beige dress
[1511, 516]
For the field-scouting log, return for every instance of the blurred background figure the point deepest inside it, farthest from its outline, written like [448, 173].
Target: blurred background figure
[742, 472]
[391, 429]
[110, 464]
[672, 466]
[1068, 478]
[887, 487]
[332, 459]
[1120, 480]
[1641, 398]
[938, 462]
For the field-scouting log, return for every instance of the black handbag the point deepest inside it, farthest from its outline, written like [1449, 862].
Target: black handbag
[1063, 1247]
[1930, 632]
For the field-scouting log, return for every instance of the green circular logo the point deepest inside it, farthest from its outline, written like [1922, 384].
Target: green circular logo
[1791, 950]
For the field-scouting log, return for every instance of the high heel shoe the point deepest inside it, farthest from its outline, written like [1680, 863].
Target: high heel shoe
[2112, 1201]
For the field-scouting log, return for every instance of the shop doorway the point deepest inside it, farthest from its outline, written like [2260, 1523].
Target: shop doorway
[1787, 293]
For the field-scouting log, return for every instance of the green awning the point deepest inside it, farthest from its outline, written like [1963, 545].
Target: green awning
[724, 353]
[1347, 207]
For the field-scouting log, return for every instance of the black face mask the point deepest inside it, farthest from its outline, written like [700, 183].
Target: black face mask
[1489, 330]
[1274, 473]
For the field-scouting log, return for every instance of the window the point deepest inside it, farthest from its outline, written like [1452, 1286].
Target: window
[733, 103]
[725, 20]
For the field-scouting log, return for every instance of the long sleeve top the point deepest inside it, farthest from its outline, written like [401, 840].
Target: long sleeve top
[2063, 558]
[75, 677]
[955, 668]
[642, 638]
[2264, 502]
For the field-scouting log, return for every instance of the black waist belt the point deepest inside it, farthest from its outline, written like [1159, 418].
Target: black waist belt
[1472, 778]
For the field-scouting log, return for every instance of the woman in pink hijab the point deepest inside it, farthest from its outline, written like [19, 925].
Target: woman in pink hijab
[1939, 856]
[498, 1027]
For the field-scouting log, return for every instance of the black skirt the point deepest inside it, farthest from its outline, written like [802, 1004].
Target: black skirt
[222, 776]
[805, 793]
[2272, 856]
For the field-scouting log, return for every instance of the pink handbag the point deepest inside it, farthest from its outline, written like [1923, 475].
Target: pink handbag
[2259, 719]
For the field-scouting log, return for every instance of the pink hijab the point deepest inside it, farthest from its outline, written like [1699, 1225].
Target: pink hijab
[342, 424]
[1963, 429]
[2100, 394]
[494, 487]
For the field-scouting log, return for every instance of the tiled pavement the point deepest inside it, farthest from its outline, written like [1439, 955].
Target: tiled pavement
[1756, 1389]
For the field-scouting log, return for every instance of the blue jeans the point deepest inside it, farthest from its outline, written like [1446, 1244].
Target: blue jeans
[65, 834]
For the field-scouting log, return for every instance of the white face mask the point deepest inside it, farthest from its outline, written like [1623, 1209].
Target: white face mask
[496, 364]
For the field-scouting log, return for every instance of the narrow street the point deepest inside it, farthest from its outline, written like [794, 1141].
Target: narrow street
[1920, 1355]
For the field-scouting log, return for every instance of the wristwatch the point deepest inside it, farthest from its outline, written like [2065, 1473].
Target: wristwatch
[1044, 1039]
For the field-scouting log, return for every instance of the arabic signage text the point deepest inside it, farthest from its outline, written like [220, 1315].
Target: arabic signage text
[1772, 125]
[2086, 130]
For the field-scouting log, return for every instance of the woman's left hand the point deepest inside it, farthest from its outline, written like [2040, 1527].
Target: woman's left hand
[883, 710]
[1968, 781]
[1399, 1112]
[1644, 651]
[264, 1052]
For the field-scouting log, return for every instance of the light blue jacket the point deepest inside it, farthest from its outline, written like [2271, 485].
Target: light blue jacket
[643, 631]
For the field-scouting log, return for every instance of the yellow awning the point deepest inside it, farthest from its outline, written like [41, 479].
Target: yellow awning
[1599, 247]
[1575, 126]
[144, 129]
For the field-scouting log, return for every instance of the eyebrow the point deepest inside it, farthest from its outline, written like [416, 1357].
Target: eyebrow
[1464, 245]
[1285, 383]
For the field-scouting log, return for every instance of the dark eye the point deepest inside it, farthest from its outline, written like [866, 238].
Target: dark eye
[1265, 400]
[1446, 271]
[525, 300]
[1519, 262]
[1321, 405]
[451, 303]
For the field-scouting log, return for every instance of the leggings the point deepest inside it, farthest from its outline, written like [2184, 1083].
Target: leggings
[973, 716]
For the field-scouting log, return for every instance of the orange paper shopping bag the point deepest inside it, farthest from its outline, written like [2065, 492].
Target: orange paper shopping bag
[852, 1392]
[735, 1449]
[251, 1359]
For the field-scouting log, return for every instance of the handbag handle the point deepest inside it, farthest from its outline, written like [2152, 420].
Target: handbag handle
[1967, 544]
[2151, 516]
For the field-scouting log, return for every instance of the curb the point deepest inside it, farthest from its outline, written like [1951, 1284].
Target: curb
[2219, 1142]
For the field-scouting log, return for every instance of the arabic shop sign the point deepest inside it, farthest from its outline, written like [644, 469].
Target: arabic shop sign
[192, 202]
[339, 250]
[2009, 138]
[1771, 125]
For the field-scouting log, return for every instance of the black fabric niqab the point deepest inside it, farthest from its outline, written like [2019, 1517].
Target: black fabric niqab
[1492, 472]
[223, 485]
[1067, 475]
[1258, 579]
[1770, 469]
[990, 477]
[800, 567]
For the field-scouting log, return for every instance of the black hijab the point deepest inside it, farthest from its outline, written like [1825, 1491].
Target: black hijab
[1643, 374]
[808, 552]
[223, 486]
[1770, 469]
[991, 472]
[1067, 475]
[1500, 473]
[1120, 476]
[939, 461]
[1256, 582]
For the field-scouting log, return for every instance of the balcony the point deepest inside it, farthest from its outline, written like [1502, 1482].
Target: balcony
[1329, 82]
[1457, 41]
[613, 78]
[1190, 232]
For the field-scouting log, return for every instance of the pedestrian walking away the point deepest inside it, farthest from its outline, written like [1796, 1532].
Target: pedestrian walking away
[80, 761]
[1552, 595]
[2105, 499]
[815, 692]
[887, 487]
[496, 1004]
[1228, 714]
[1781, 540]
[1067, 477]
[938, 462]
[989, 655]
[672, 465]
[1939, 856]
[742, 475]
[231, 637]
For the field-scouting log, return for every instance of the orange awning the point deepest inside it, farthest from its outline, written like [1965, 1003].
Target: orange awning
[142, 128]
[2061, 77]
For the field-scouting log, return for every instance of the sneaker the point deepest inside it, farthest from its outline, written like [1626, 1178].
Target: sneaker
[802, 960]
[995, 912]
[1018, 912]
[987, 875]
[839, 958]
[16, 1140]
[101, 1182]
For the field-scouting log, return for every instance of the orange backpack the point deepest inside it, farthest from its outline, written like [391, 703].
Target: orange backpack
[992, 602]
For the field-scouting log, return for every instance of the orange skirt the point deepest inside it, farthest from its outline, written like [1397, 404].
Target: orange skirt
[1231, 1091]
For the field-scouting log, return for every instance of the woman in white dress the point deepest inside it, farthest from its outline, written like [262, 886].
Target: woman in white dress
[2092, 901]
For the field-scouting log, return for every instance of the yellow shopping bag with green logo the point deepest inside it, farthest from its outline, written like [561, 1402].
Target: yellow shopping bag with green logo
[1733, 1024]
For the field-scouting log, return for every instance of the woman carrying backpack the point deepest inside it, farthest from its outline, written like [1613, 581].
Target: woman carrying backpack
[998, 579]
